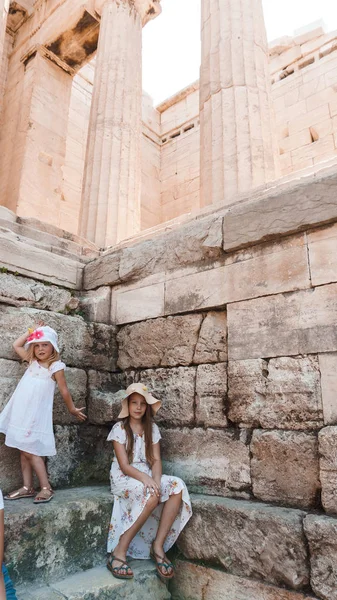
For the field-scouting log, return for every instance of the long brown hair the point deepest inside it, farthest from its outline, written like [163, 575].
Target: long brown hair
[31, 356]
[147, 424]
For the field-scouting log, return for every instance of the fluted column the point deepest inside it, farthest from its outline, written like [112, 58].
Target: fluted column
[110, 209]
[4, 6]
[237, 148]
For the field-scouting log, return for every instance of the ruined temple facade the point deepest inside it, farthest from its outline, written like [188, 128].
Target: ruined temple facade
[67, 75]
[219, 292]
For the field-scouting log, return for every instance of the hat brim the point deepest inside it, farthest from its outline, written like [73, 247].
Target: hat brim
[55, 346]
[153, 402]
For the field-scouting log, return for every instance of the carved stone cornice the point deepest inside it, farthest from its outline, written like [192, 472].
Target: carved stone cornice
[147, 9]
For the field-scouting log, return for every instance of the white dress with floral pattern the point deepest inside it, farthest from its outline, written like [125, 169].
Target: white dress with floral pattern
[27, 419]
[130, 499]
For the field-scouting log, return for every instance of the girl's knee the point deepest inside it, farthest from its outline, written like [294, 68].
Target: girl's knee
[152, 502]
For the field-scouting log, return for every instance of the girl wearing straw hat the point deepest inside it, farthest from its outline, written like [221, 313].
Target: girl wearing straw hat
[150, 509]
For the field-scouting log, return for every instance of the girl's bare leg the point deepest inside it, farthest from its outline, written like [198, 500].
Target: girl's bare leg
[170, 511]
[38, 465]
[127, 537]
[27, 472]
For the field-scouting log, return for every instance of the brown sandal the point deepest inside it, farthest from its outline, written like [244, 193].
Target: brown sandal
[117, 571]
[44, 495]
[162, 563]
[23, 492]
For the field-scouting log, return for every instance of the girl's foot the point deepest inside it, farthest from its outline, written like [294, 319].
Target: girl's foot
[23, 492]
[45, 495]
[119, 567]
[164, 567]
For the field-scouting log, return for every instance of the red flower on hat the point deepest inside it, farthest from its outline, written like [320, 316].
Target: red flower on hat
[36, 335]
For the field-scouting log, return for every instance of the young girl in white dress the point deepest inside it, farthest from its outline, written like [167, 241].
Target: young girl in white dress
[150, 509]
[27, 419]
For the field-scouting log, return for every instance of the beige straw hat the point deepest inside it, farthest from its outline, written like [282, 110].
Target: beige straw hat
[138, 388]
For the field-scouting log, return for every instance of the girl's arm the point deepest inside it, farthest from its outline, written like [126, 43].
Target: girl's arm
[157, 465]
[62, 385]
[131, 471]
[2, 585]
[18, 345]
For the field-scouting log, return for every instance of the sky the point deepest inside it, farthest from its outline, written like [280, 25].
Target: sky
[171, 42]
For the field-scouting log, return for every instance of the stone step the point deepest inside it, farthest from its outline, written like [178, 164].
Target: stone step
[47, 237]
[99, 584]
[48, 542]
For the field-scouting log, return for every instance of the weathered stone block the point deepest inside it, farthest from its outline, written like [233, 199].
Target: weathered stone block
[285, 467]
[145, 302]
[77, 385]
[83, 456]
[69, 535]
[159, 342]
[10, 470]
[327, 439]
[96, 305]
[104, 401]
[82, 344]
[285, 208]
[102, 271]
[97, 584]
[209, 461]
[322, 245]
[247, 391]
[22, 291]
[175, 388]
[10, 374]
[328, 368]
[321, 533]
[281, 393]
[26, 259]
[195, 582]
[286, 324]
[249, 539]
[211, 398]
[212, 341]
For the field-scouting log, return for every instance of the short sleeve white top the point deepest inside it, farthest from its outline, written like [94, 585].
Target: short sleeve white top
[1, 501]
[118, 434]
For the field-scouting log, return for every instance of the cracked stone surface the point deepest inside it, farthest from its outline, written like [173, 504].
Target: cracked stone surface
[248, 539]
[285, 467]
[282, 393]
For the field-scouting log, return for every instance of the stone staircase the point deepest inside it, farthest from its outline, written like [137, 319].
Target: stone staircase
[57, 550]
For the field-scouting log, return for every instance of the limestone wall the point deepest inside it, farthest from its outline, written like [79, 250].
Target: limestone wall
[180, 154]
[231, 319]
[305, 98]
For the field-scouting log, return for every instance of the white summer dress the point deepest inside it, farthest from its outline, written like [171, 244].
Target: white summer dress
[130, 499]
[27, 419]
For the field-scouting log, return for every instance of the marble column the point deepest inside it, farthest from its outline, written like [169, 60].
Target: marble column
[110, 209]
[4, 7]
[237, 147]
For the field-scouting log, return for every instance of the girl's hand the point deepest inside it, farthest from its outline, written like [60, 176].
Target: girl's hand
[77, 412]
[151, 486]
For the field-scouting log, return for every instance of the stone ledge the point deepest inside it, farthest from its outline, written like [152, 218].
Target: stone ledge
[279, 209]
[202, 583]
[67, 536]
[248, 539]
[98, 583]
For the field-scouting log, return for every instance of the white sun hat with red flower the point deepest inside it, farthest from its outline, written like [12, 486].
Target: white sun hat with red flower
[43, 334]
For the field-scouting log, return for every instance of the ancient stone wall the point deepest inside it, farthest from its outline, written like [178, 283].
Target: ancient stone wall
[305, 99]
[231, 319]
